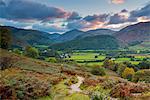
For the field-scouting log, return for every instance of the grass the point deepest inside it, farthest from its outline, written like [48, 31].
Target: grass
[91, 64]
[86, 56]
[123, 59]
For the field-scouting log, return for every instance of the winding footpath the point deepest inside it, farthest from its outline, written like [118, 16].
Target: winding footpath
[76, 87]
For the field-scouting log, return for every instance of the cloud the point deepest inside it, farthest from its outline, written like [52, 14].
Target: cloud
[29, 14]
[145, 11]
[28, 10]
[46, 27]
[117, 1]
[96, 18]
[2, 3]
[74, 16]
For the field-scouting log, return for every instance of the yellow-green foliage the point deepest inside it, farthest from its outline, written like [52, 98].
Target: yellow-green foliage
[109, 64]
[142, 75]
[71, 81]
[128, 73]
[120, 68]
[77, 96]
[51, 59]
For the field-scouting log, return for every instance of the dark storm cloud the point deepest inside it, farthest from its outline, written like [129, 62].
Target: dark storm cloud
[145, 11]
[2, 3]
[100, 18]
[74, 16]
[116, 19]
[25, 10]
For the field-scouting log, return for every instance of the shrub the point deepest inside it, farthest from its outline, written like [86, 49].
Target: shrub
[7, 62]
[52, 60]
[17, 51]
[71, 81]
[110, 64]
[108, 84]
[128, 73]
[120, 68]
[142, 75]
[98, 71]
[144, 65]
[31, 52]
[100, 94]
[121, 90]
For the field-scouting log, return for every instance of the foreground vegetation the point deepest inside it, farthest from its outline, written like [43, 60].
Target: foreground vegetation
[29, 78]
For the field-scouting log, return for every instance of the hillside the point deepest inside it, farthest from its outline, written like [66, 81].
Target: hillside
[139, 32]
[97, 32]
[23, 37]
[89, 43]
[35, 79]
[70, 35]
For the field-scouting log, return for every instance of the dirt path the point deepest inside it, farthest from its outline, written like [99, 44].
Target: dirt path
[75, 87]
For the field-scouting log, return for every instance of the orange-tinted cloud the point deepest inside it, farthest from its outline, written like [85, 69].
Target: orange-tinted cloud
[117, 1]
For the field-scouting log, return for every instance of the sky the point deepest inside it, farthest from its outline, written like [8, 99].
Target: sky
[59, 16]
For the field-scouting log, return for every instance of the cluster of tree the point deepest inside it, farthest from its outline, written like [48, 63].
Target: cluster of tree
[31, 52]
[5, 38]
[98, 71]
[128, 70]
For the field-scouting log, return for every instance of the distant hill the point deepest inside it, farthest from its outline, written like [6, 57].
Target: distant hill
[136, 33]
[23, 37]
[54, 36]
[89, 43]
[97, 32]
[70, 35]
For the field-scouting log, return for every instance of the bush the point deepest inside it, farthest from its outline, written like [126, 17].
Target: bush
[7, 62]
[142, 75]
[120, 68]
[144, 65]
[5, 38]
[128, 73]
[121, 90]
[100, 94]
[98, 71]
[31, 52]
[17, 51]
[110, 64]
[71, 81]
[52, 60]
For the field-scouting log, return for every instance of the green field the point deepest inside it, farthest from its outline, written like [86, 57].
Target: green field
[85, 58]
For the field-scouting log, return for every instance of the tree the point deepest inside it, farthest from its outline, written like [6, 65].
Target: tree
[31, 52]
[144, 65]
[5, 38]
[17, 51]
[128, 73]
[98, 71]
[110, 64]
[120, 68]
[142, 75]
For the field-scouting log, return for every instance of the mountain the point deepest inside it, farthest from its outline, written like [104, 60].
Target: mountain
[134, 34]
[23, 37]
[89, 43]
[70, 35]
[54, 36]
[97, 32]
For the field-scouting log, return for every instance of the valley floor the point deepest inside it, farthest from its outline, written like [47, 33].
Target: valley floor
[36, 79]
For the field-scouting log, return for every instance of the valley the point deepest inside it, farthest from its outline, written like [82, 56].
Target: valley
[76, 65]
